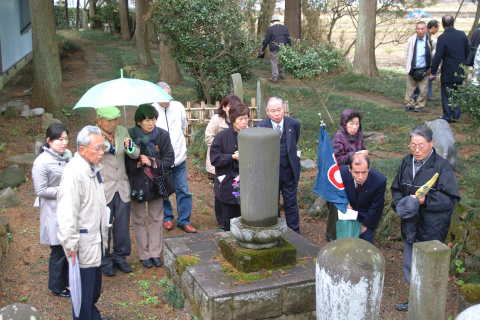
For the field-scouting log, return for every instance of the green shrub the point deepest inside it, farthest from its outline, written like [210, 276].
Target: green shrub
[467, 97]
[305, 60]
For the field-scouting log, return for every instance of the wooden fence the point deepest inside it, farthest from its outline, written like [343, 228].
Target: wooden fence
[201, 114]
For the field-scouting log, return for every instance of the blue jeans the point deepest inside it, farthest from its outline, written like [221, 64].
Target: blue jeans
[184, 197]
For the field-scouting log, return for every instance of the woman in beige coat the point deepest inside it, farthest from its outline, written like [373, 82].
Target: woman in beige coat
[217, 123]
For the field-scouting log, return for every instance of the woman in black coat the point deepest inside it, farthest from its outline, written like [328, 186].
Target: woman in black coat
[156, 155]
[224, 157]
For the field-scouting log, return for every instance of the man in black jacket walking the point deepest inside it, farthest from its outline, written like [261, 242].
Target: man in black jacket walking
[452, 50]
[277, 34]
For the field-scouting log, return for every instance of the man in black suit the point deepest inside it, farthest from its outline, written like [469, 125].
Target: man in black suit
[365, 189]
[452, 51]
[289, 132]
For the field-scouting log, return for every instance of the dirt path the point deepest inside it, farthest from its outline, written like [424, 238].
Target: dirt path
[137, 295]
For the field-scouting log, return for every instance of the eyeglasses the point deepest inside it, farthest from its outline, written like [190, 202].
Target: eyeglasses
[99, 148]
[414, 146]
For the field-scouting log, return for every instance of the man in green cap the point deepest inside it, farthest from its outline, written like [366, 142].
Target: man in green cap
[117, 188]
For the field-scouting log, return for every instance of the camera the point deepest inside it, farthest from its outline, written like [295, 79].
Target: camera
[138, 195]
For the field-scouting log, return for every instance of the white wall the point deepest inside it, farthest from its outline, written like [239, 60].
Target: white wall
[13, 45]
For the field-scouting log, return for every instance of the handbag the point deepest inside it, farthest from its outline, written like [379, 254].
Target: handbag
[419, 74]
[164, 183]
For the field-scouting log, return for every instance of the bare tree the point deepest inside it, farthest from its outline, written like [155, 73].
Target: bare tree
[293, 17]
[92, 10]
[47, 73]
[142, 39]
[168, 67]
[77, 18]
[364, 60]
[248, 8]
[66, 13]
[266, 12]
[124, 26]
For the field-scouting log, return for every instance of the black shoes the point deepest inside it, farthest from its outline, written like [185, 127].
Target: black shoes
[402, 306]
[123, 266]
[147, 263]
[108, 270]
[64, 294]
[157, 262]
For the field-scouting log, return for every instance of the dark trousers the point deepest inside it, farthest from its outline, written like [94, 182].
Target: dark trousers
[228, 211]
[120, 231]
[218, 213]
[331, 233]
[91, 280]
[449, 112]
[288, 189]
[57, 270]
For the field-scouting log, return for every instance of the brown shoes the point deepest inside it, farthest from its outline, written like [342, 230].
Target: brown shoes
[168, 225]
[188, 228]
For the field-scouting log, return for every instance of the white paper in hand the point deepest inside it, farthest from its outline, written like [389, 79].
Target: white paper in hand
[349, 215]
[220, 178]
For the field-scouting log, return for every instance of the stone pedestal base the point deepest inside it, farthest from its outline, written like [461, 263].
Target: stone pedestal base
[287, 294]
[251, 260]
[257, 237]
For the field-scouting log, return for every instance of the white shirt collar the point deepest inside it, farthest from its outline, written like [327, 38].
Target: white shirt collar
[274, 124]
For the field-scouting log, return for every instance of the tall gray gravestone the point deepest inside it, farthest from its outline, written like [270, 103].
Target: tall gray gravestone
[349, 279]
[237, 85]
[259, 226]
[429, 280]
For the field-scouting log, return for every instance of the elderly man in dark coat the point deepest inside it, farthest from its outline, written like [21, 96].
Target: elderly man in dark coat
[452, 51]
[436, 208]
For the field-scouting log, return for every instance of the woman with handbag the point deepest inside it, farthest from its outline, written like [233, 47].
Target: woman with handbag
[149, 183]
[47, 172]
[224, 156]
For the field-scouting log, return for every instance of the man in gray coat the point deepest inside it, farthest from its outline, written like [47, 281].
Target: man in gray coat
[83, 217]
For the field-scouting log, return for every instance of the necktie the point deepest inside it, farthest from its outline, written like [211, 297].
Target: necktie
[278, 128]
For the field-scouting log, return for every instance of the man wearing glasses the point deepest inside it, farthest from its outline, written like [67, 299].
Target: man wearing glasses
[83, 216]
[432, 218]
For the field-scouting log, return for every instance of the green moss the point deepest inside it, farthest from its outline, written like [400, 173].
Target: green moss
[471, 291]
[182, 262]
[250, 260]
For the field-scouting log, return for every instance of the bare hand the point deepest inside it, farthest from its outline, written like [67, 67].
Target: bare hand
[349, 207]
[144, 160]
[72, 255]
[126, 142]
[363, 228]
[420, 200]
[433, 76]
[236, 155]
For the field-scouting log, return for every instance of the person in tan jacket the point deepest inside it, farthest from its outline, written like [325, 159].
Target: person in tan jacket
[117, 189]
[83, 216]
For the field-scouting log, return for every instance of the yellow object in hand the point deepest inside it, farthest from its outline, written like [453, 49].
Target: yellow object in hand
[423, 190]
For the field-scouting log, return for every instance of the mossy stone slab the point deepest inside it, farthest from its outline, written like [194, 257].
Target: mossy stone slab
[251, 260]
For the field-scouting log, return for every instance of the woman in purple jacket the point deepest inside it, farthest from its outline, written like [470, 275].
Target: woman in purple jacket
[348, 140]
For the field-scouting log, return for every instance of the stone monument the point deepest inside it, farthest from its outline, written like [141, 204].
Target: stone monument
[349, 280]
[19, 311]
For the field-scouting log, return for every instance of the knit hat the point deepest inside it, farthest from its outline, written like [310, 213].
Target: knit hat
[108, 113]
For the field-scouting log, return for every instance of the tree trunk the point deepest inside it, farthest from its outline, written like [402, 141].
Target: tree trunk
[66, 14]
[168, 67]
[141, 34]
[475, 22]
[293, 17]
[47, 73]
[123, 12]
[364, 59]
[77, 21]
[266, 13]
[92, 8]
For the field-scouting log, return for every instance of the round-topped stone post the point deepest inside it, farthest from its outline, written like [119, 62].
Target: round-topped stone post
[259, 226]
[349, 280]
